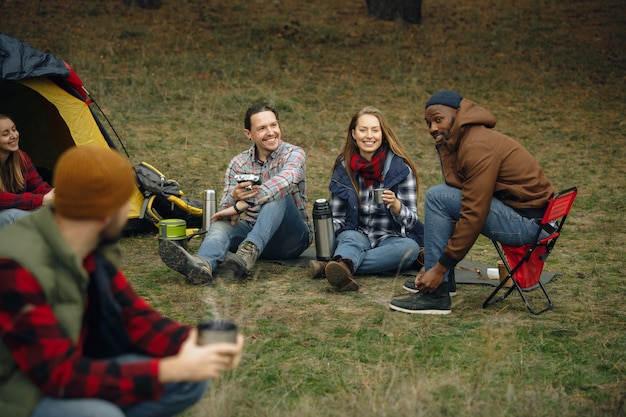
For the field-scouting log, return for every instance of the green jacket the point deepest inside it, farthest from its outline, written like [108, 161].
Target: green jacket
[36, 243]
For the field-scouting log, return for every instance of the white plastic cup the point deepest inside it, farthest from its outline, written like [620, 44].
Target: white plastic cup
[493, 273]
[503, 273]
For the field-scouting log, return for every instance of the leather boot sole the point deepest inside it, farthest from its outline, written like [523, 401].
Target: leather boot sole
[340, 277]
[179, 260]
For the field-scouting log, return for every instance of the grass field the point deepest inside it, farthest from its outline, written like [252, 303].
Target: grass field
[176, 82]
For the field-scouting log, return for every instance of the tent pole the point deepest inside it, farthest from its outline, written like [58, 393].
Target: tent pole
[107, 120]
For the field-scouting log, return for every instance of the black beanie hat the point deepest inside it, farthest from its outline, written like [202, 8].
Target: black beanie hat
[447, 98]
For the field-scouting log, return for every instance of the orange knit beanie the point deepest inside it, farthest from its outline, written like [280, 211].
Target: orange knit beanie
[92, 182]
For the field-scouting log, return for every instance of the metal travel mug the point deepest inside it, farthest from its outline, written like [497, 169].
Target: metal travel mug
[208, 208]
[324, 232]
[217, 331]
[378, 195]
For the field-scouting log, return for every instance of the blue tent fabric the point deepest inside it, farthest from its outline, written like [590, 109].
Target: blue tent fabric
[20, 61]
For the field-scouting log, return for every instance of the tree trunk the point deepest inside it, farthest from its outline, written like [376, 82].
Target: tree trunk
[144, 4]
[409, 10]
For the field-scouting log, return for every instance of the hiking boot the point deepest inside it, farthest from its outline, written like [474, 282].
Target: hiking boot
[339, 274]
[194, 268]
[242, 262]
[317, 269]
[422, 303]
[419, 262]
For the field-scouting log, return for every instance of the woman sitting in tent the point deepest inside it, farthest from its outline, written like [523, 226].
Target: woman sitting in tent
[21, 187]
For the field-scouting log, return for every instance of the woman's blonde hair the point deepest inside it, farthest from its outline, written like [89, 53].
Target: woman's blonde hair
[11, 176]
[390, 139]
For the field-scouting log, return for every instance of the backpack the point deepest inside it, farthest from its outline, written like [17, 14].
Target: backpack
[163, 198]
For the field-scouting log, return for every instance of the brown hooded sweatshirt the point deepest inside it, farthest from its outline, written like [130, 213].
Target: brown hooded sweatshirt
[484, 163]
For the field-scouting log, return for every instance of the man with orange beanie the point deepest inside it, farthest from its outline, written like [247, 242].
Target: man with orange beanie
[75, 338]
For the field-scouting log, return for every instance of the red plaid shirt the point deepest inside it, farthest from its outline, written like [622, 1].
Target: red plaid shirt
[55, 363]
[31, 196]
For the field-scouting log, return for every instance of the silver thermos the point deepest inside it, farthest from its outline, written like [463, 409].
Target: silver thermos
[208, 208]
[324, 232]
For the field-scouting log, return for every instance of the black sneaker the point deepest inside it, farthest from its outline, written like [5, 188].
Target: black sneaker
[422, 303]
[409, 285]
[195, 269]
[451, 283]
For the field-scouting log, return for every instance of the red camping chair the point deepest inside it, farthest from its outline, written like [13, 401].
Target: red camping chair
[527, 261]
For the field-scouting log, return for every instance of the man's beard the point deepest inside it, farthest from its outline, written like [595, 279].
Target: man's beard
[447, 134]
[109, 240]
[113, 232]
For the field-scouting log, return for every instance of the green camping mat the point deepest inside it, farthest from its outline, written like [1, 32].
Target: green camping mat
[465, 272]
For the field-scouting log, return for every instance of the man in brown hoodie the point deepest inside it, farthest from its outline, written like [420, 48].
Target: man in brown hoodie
[493, 186]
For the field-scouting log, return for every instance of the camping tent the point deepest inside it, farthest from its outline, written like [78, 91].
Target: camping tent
[53, 111]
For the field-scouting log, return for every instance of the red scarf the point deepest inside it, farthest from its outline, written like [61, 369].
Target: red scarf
[370, 171]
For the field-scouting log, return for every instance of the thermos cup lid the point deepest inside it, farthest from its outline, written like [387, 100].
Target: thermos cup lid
[321, 209]
[321, 204]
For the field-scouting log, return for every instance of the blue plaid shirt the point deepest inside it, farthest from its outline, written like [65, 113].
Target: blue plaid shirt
[282, 174]
[376, 221]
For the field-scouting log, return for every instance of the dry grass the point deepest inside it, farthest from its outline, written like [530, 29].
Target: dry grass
[176, 82]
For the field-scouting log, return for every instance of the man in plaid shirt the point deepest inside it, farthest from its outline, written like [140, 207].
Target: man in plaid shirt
[75, 338]
[265, 218]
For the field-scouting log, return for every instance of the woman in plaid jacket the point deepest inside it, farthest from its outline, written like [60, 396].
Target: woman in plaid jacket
[21, 187]
[371, 237]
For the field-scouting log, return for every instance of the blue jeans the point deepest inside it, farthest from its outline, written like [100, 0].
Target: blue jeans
[392, 254]
[11, 215]
[279, 232]
[176, 398]
[442, 208]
